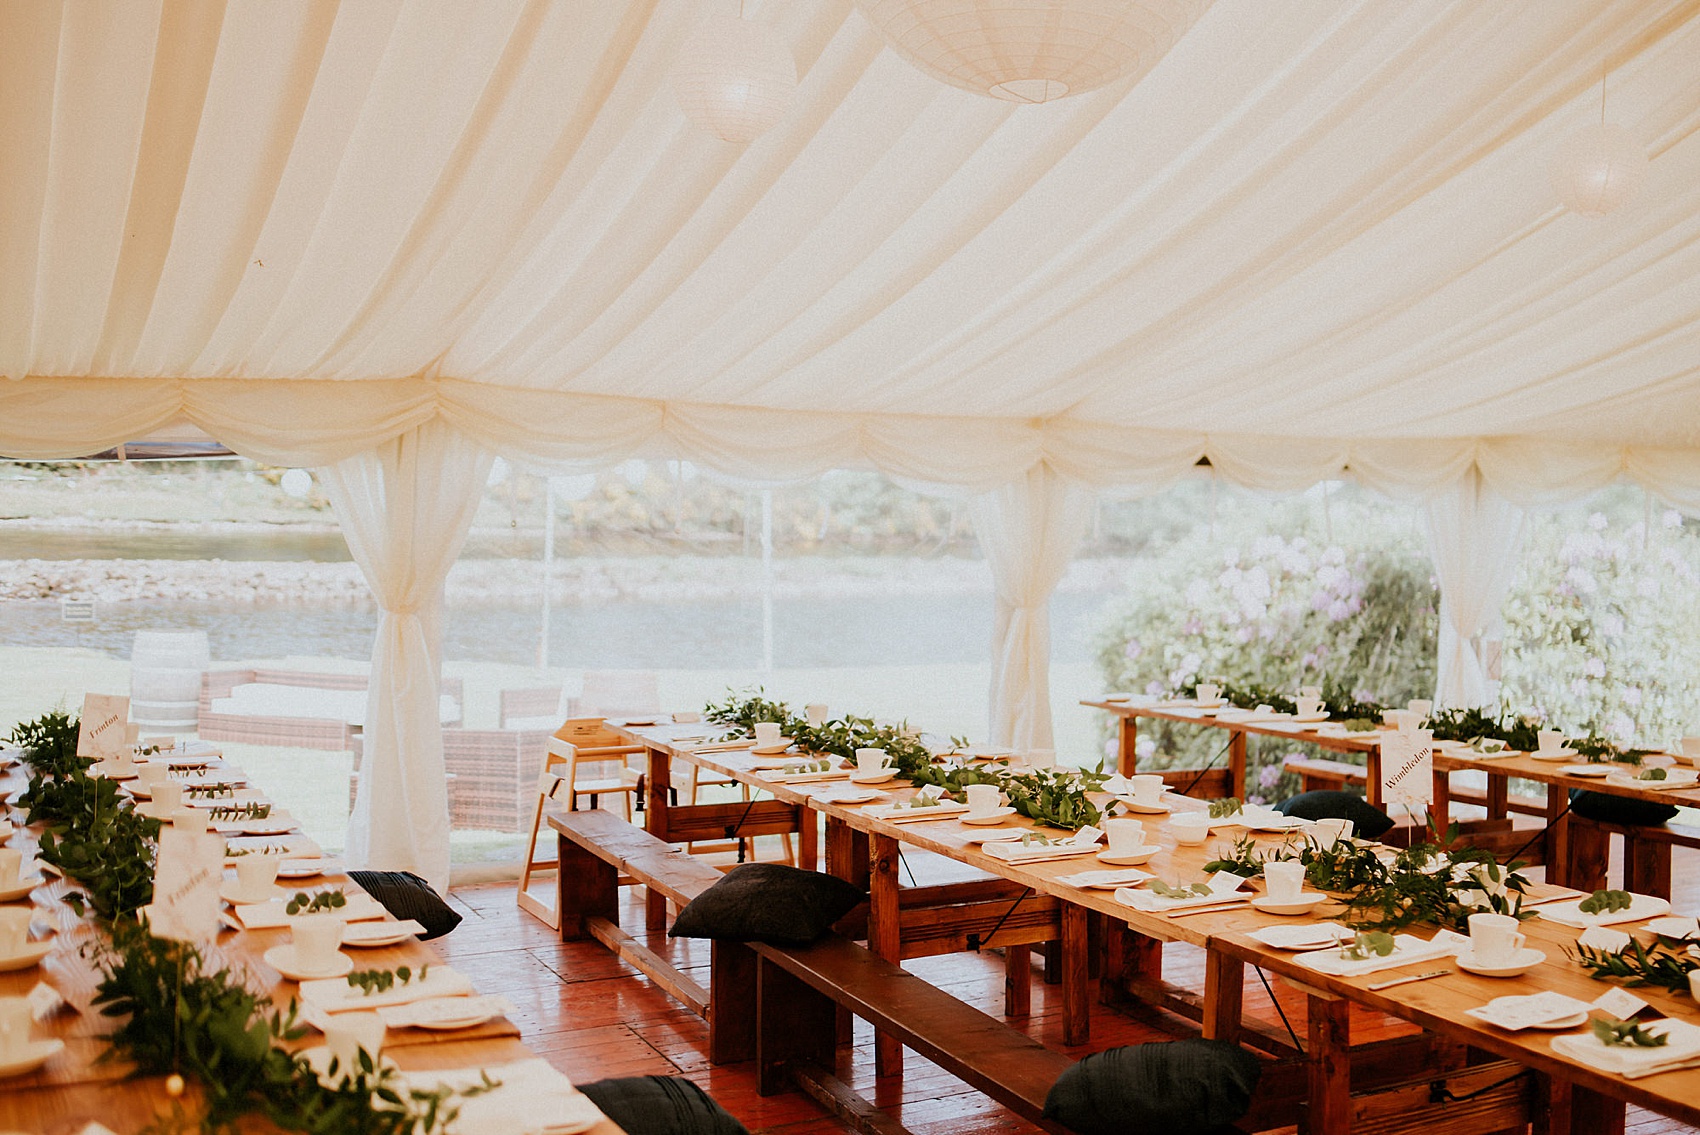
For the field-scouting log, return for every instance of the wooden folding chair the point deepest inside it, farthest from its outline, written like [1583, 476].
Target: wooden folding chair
[581, 741]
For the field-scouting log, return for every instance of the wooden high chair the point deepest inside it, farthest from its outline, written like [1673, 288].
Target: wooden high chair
[580, 742]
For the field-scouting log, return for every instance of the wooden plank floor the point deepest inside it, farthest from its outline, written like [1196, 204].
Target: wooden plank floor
[593, 1017]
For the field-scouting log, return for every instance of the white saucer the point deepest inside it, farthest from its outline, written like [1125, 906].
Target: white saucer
[769, 750]
[1304, 904]
[873, 777]
[1525, 960]
[233, 893]
[990, 818]
[1311, 718]
[997, 835]
[1133, 805]
[1585, 770]
[153, 811]
[1553, 754]
[365, 940]
[851, 799]
[32, 954]
[1143, 855]
[307, 868]
[282, 959]
[36, 1053]
[104, 768]
[451, 1013]
[22, 890]
[1219, 703]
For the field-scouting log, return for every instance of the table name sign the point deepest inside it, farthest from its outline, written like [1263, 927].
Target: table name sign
[103, 730]
[1407, 768]
[185, 889]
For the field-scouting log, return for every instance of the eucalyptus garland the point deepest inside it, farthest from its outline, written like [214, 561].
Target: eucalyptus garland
[1635, 964]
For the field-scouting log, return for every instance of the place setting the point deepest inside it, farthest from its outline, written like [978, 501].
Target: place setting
[312, 951]
[873, 766]
[1220, 890]
[17, 951]
[1550, 746]
[1496, 948]
[20, 1050]
[1126, 846]
[1033, 846]
[14, 884]
[1284, 894]
[985, 805]
[1141, 793]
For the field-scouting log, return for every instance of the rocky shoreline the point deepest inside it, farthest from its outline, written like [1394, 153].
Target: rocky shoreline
[584, 580]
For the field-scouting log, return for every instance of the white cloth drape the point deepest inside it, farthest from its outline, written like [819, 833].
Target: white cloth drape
[1474, 534]
[405, 508]
[1028, 529]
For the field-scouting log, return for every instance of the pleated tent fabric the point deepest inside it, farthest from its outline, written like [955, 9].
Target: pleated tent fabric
[1311, 240]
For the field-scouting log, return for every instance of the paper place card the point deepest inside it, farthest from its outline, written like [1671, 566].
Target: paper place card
[1620, 1003]
[1224, 883]
[1407, 769]
[187, 877]
[44, 1001]
[102, 730]
[1603, 938]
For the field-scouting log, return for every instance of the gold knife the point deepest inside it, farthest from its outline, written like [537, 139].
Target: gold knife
[1409, 978]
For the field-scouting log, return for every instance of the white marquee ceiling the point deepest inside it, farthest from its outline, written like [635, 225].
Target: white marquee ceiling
[1318, 219]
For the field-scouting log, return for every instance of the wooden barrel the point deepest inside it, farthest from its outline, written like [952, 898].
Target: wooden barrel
[165, 678]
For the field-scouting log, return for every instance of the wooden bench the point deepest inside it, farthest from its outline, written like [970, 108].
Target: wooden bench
[1319, 774]
[1646, 853]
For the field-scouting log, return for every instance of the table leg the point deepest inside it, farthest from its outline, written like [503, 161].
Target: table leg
[808, 838]
[846, 853]
[1236, 763]
[1224, 996]
[1329, 1067]
[1594, 1114]
[1440, 808]
[1372, 775]
[1076, 984]
[1018, 980]
[1558, 836]
[658, 791]
[1127, 755]
[884, 936]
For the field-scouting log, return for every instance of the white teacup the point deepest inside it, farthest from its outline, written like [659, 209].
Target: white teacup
[1422, 707]
[11, 867]
[1494, 938]
[14, 930]
[1331, 831]
[1550, 740]
[872, 760]
[1310, 692]
[167, 797]
[316, 938]
[255, 874]
[1040, 758]
[983, 799]
[767, 734]
[152, 774]
[1691, 750]
[347, 1033]
[1207, 693]
[1307, 707]
[121, 766]
[1146, 788]
[686, 717]
[1190, 827]
[1285, 880]
[15, 1020]
[190, 820]
[1126, 835]
[816, 713]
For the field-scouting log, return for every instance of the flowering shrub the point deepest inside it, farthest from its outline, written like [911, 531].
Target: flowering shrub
[1603, 628]
[1272, 611]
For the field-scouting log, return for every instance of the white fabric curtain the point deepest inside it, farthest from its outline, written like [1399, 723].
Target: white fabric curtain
[405, 508]
[1474, 536]
[1028, 528]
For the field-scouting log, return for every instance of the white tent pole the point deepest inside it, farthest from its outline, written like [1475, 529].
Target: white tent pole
[548, 570]
[767, 581]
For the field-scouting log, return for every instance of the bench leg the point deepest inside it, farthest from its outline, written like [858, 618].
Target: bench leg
[1588, 852]
[794, 1022]
[1646, 866]
[586, 888]
[1017, 980]
[1224, 994]
[731, 1003]
[1329, 1068]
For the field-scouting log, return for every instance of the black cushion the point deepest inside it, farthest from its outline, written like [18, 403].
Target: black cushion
[1619, 809]
[661, 1105]
[1181, 1087]
[767, 902]
[406, 895]
[1330, 804]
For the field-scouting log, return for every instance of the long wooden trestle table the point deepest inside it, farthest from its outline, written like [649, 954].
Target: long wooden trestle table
[76, 1087]
[1583, 1100]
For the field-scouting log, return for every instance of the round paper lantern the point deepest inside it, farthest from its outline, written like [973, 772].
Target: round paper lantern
[1032, 50]
[296, 483]
[735, 78]
[1599, 170]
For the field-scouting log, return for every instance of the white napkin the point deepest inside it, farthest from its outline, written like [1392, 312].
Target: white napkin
[1630, 1062]
[1640, 906]
[273, 914]
[405, 1016]
[1407, 950]
[335, 995]
[1121, 877]
[365, 931]
[533, 1099]
[895, 814]
[1036, 852]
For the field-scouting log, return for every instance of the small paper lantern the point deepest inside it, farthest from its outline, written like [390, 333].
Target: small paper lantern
[296, 483]
[1032, 50]
[1599, 170]
[735, 78]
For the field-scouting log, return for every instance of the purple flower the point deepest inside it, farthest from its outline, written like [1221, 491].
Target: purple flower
[1269, 776]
